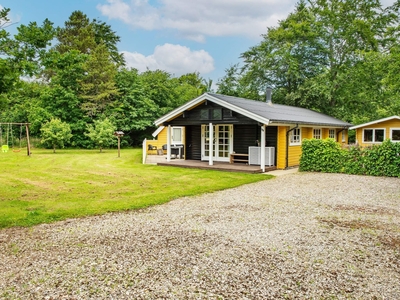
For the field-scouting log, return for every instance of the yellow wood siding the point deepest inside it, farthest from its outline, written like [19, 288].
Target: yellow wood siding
[325, 133]
[161, 140]
[306, 133]
[281, 142]
[295, 151]
[382, 125]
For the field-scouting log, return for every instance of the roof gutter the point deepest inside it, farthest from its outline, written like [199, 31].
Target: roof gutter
[287, 145]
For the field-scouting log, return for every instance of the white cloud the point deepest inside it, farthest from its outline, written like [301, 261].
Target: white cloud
[198, 19]
[175, 59]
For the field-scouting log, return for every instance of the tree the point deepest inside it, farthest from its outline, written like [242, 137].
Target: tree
[55, 133]
[101, 133]
[8, 75]
[134, 111]
[98, 85]
[309, 58]
[79, 33]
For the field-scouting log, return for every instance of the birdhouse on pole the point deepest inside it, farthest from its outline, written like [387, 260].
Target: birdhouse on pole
[119, 134]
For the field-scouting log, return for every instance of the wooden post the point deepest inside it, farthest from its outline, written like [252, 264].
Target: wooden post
[28, 146]
[119, 145]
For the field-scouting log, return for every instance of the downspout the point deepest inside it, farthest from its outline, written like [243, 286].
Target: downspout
[287, 145]
[337, 134]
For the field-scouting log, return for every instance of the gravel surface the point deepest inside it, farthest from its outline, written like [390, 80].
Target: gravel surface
[298, 236]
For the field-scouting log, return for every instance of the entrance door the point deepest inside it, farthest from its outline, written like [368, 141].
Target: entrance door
[221, 145]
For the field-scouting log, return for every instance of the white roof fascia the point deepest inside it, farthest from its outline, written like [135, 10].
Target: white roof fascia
[159, 129]
[307, 124]
[239, 110]
[204, 97]
[374, 122]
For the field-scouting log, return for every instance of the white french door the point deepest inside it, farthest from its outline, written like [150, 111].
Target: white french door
[221, 145]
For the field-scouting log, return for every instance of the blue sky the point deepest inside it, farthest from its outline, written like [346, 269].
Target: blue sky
[178, 36]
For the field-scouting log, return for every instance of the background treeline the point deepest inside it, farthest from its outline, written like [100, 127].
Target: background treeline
[339, 57]
[76, 74]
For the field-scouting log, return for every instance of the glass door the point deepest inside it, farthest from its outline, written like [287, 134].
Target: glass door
[221, 145]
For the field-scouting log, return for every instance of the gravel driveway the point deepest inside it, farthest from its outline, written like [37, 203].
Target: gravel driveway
[298, 236]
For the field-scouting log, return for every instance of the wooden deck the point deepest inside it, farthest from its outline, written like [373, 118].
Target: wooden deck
[197, 164]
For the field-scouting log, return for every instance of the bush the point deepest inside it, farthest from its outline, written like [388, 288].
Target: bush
[321, 156]
[327, 156]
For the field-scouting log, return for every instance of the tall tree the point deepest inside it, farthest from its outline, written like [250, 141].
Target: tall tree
[309, 58]
[98, 88]
[79, 33]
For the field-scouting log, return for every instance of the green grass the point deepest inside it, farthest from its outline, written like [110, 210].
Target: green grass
[47, 187]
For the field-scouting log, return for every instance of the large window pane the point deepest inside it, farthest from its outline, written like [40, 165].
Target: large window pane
[177, 135]
[368, 135]
[379, 135]
[396, 135]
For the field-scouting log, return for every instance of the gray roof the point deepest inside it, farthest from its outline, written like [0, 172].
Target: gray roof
[263, 112]
[277, 113]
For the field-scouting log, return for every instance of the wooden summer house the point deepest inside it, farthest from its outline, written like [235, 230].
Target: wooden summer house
[216, 127]
[377, 131]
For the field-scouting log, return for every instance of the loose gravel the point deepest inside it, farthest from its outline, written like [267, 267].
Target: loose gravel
[298, 236]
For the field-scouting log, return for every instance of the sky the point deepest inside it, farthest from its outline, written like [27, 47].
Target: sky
[177, 36]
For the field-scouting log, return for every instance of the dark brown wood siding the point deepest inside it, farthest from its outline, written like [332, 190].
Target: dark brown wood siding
[193, 142]
[197, 115]
[247, 135]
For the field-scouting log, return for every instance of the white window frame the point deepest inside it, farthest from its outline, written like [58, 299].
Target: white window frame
[373, 135]
[391, 135]
[330, 135]
[317, 136]
[292, 141]
[175, 142]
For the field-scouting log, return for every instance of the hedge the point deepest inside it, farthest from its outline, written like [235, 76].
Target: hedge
[328, 156]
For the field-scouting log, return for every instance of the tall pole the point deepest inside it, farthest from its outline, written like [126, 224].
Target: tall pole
[28, 146]
[119, 145]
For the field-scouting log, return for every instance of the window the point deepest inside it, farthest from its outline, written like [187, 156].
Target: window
[204, 114]
[317, 133]
[373, 135]
[395, 134]
[295, 137]
[217, 114]
[177, 135]
[332, 134]
[211, 114]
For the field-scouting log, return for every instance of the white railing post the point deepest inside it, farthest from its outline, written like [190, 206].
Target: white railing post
[263, 130]
[211, 145]
[169, 143]
[144, 149]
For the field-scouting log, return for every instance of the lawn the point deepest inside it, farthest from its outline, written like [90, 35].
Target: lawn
[48, 186]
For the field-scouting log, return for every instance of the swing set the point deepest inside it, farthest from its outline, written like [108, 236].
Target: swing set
[7, 138]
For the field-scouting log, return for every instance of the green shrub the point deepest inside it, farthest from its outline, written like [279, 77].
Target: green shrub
[321, 156]
[327, 156]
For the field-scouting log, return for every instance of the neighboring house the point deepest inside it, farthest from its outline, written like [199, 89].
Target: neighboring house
[376, 132]
[237, 126]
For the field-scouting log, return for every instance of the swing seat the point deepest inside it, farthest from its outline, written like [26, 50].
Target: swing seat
[16, 150]
[4, 148]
